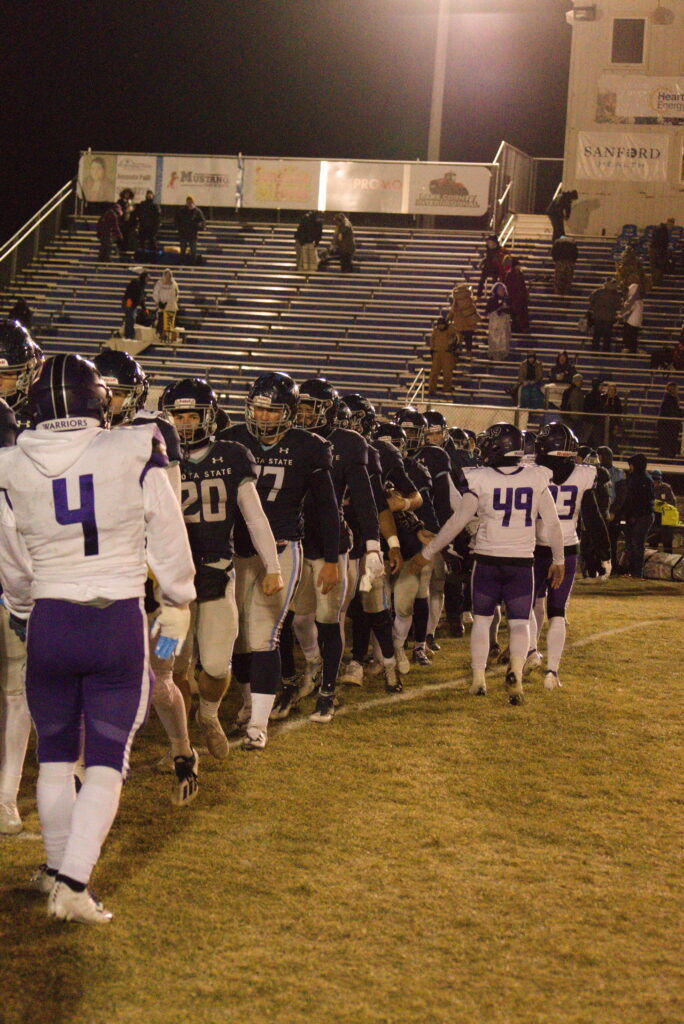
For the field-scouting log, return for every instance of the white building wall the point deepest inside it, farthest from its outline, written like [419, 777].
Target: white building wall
[609, 201]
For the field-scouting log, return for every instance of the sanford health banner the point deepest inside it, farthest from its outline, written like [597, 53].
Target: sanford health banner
[622, 156]
[209, 180]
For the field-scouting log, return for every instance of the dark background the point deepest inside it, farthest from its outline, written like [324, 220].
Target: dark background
[322, 78]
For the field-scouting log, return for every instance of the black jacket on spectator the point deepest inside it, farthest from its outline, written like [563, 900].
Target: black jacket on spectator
[564, 249]
[148, 216]
[638, 496]
[135, 291]
[189, 221]
[561, 204]
[310, 229]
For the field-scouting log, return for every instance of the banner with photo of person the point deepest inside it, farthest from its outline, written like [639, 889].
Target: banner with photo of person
[209, 180]
[97, 177]
[622, 156]
[640, 99]
[287, 184]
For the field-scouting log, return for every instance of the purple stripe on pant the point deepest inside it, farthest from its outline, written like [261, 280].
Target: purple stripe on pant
[510, 585]
[91, 664]
[556, 600]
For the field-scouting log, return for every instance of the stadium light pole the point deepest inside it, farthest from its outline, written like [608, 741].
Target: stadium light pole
[438, 82]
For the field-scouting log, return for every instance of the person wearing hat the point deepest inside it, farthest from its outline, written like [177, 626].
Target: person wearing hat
[189, 222]
[604, 306]
[443, 341]
[664, 495]
[572, 403]
[464, 315]
[133, 299]
[634, 506]
[108, 231]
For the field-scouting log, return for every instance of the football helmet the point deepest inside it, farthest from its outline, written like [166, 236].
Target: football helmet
[460, 438]
[555, 440]
[20, 356]
[392, 433]
[192, 394]
[324, 401]
[588, 455]
[69, 388]
[362, 413]
[343, 418]
[437, 427]
[414, 425]
[501, 444]
[8, 425]
[272, 392]
[529, 439]
[121, 372]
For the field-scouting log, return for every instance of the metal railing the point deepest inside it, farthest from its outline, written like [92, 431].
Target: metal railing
[24, 246]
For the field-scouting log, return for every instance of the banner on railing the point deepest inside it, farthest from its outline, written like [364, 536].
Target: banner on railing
[619, 156]
[209, 180]
[456, 189]
[286, 184]
[640, 99]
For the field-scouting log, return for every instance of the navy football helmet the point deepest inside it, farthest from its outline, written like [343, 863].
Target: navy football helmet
[272, 392]
[69, 388]
[459, 438]
[121, 372]
[318, 404]
[502, 444]
[437, 427]
[414, 425]
[8, 425]
[192, 394]
[392, 433]
[362, 413]
[343, 418]
[554, 441]
[20, 358]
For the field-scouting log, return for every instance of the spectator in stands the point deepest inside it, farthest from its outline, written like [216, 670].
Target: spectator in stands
[133, 299]
[126, 220]
[443, 341]
[307, 238]
[343, 244]
[165, 294]
[498, 313]
[658, 252]
[147, 219]
[664, 495]
[572, 404]
[530, 371]
[464, 315]
[189, 222]
[491, 266]
[592, 421]
[634, 505]
[514, 279]
[670, 422]
[21, 312]
[559, 210]
[604, 306]
[108, 232]
[629, 270]
[612, 407]
[564, 254]
[563, 370]
[632, 315]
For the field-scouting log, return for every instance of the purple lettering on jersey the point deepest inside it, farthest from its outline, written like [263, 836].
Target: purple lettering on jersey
[85, 514]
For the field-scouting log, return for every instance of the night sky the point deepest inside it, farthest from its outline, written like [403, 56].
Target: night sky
[323, 78]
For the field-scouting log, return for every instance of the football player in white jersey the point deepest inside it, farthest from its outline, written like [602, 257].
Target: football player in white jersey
[83, 511]
[573, 489]
[507, 498]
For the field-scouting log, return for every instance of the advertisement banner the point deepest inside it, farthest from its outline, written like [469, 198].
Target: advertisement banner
[638, 99]
[361, 186]
[454, 189]
[290, 184]
[136, 172]
[209, 180]
[618, 156]
[97, 177]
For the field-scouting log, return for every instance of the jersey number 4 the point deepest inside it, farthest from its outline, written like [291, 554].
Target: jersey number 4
[85, 514]
[508, 499]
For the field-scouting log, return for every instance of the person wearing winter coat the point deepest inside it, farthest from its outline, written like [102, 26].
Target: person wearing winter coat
[559, 210]
[307, 238]
[165, 294]
[189, 222]
[634, 505]
[343, 244]
[564, 254]
[464, 315]
[514, 279]
[563, 370]
[664, 495]
[147, 219]
[592, 426]
[108, 232]
[615, 477]
[443, 342]
[604, 306]
[498, 313]
[133, 299]
[632, 317]
[670, 422]
[491, 266]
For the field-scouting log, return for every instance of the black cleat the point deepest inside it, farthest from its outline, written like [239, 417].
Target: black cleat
[431, 643]
[514, 690]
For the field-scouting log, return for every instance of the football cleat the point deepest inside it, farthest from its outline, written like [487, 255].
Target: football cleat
[393, 683]
[325, 708]
[432, 643]
[467, 618]
[165, 765]
[456, 628]
[420, 657]
[504, 657]
[43, 880]
[10, 819]
[375, 668]
[213, 735]
[243, 716]
[494, 652]
[255, 738]
[310, 678]
[514, 690]
[284, 704]
[532, 661]
[185, 787]
[478, 687]
[551, 680]
[403, 664]
[67, 905]
[352, 675]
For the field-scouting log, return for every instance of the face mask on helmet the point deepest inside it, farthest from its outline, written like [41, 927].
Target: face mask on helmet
[391, 433]
[362, 414]
[267, 420]
[318, 405]
[414, 426]
[126, 401]
[192, 433]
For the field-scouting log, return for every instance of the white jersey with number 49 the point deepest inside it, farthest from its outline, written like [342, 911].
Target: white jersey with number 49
[568, 498]
[508, 509]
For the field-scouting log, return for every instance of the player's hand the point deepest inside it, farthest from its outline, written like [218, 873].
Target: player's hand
[418, 563]
[328, 577]
[18, 626]
[424, 536]
[396, 502]
[396, 560]
[556, 574]
[373, 566]
[170, 628]
[272, 583]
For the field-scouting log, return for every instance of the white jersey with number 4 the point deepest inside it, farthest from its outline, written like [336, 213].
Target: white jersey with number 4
[568, 498]
[508, 508]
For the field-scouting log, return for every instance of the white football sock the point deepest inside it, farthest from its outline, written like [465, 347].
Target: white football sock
[518, 644]
[170, 707]
[262, 705]
[555, 642]
[435, 613]
[209, 708]
[495, 621]
[537, 622]
[15, 734]
[400, 629]
[56, 796]
[94, 812]
[305, 630]
[479, 642]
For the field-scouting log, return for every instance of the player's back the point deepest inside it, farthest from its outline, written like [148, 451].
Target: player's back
[508, 507]
[568, 498]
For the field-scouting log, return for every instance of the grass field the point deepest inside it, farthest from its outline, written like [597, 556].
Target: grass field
[429, 858]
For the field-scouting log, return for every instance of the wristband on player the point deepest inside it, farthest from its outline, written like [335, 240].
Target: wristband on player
[372, 545]
[392, 542]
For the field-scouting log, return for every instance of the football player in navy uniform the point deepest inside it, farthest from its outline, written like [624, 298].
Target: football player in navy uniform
[573, 487]
[317, 615]
[290, 462]
[20, 363]
[218, 477]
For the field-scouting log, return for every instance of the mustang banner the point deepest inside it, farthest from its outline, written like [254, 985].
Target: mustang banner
[618, 156]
